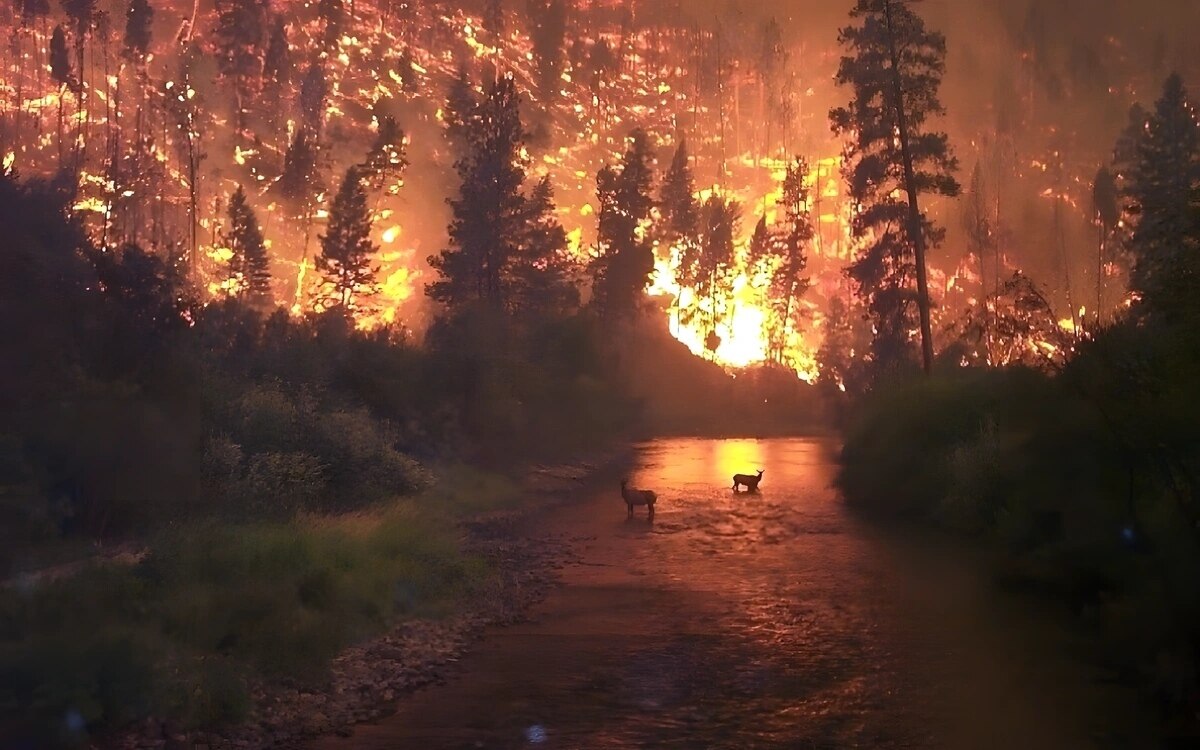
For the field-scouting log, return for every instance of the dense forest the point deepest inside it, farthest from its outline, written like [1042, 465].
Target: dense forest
[269, 268]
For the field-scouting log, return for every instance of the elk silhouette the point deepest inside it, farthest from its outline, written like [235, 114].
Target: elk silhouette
[638, 497]
[749, 480]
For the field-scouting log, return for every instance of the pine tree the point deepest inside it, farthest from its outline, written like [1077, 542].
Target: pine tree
[840, 354]
[298, 181]
[313, 90]
[333, 16]
[139, 23]
[1160, 193]
[60, 59]
[678, 206]
[60, 71]
[624, 260]
[789, 254]
[1106, 215]
[894, 66]
[249, 267]
[386, 161]
[549, 21]
[277, 62]
[493, 17]
[490, 212]
[239, 34]
[707, 270]
[541, 270]
[459, 114]
[347, 250]
[404, 69]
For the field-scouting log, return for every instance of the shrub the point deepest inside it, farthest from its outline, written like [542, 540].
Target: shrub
[281, 484]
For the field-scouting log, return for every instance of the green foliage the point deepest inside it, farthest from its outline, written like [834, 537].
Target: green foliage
[184, 632]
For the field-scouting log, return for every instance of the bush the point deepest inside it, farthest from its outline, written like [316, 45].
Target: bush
[278, 485]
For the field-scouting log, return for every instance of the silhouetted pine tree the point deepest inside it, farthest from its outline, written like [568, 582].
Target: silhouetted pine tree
[60, 71]
[298, 183]
[347, 274]
[1106, 214]
[139, 24]
[313, 90]
[790, 252]
[540, 272]
[894, 66]
[239, 34]
[1161, 193]
[249, 267]
[493, 17]
[333, 17]
[678, 207]
[490, 211]
[277, 61]
[624, 261]
[460, 111]
[404, 69]
[548, 19]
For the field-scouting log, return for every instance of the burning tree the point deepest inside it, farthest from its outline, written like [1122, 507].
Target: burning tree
[344, 263]
[783, 253]
[895, 67]
[1022, 326]
[624, 259]
[706, 268]
[249, 268]
[386, 161]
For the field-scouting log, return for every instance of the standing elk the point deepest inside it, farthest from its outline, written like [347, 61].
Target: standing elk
[638, 497]
[749, 480]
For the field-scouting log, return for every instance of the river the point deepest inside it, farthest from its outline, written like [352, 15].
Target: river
[761, 620]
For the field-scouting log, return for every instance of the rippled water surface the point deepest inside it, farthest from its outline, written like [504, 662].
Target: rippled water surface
[740, 620]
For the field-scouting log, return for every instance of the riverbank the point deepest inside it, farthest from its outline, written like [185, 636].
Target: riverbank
[510, 572]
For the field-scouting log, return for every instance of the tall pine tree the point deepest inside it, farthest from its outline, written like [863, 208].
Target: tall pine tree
[490, 210]
[894, 66]
[1161, 192]
[139, 22]
[239, 34]
[249, 266]
[348, 277]
[624, 259]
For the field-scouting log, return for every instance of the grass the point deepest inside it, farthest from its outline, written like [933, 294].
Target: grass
[215, 605]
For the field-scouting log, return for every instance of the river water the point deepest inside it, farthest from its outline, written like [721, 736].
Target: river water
[761, 620]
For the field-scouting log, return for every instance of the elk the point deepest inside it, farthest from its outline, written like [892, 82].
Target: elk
[638, 497]
[749, 480]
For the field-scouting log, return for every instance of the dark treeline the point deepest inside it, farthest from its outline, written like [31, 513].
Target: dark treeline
[1081, 457]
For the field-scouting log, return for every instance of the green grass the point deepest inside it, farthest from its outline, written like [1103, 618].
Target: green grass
[181, 633]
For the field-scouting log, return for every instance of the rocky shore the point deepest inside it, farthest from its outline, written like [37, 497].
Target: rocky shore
[367, 680]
